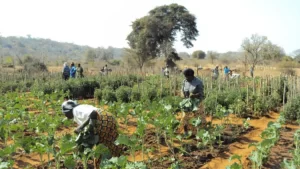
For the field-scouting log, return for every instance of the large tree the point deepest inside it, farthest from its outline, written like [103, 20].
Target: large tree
[90, 55]
[272, 51]
[153, 35]
[198, 54]
[259, 48]
[254, 48]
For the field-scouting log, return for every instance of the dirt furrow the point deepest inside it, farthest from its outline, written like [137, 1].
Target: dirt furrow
[241, 147]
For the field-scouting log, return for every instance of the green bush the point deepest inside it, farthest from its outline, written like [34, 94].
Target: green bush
[109, 95]
[98, 94]
[149, 94]
[135, 94]
[292, 109]
[210, 103]
[123, 94]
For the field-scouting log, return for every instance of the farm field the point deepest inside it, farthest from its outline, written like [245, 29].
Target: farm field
[253, 122]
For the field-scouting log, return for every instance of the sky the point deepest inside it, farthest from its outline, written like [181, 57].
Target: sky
[222, 24]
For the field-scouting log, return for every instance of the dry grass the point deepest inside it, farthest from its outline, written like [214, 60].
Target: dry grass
[273, 69]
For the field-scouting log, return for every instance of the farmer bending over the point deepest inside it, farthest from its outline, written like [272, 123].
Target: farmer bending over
[193, 91]
[94, 126]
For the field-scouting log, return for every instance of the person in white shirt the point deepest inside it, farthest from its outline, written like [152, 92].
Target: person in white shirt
[233, 75]
[94, 126]
[167, 72]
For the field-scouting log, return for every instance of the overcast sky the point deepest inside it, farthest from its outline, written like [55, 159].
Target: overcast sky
[222, 24]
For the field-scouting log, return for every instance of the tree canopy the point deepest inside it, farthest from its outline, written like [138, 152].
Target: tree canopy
[259, 48]
[154, 34]
[198, 54]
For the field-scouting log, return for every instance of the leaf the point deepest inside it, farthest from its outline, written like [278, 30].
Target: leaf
[168, 107]
[70, 162]
[102, 150]
[4, 165]
[195, 121]
[235, 156]
[267, 143]
[123, 139]
[179, 137]
[234, 166]
[270, 123]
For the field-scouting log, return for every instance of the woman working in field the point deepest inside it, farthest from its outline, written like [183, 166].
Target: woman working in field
[193, 92]
[94, 127]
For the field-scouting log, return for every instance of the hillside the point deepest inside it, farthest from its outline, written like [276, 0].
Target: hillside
[18, 47]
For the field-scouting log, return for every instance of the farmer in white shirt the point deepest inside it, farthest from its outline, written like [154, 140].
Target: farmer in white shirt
[94, 126]
[167, 72]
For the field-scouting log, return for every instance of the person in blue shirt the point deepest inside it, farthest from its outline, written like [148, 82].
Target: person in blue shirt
[73, 71]
[226, 72]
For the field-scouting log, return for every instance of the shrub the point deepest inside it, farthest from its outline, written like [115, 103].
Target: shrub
[98, 94]
[149, 94]
[109, 95]
[292, 109]
[135, 94]
[35, 67]
[289, 71]
[123, 94]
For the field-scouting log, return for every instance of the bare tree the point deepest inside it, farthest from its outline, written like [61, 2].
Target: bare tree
[212, 56]
[255, 48]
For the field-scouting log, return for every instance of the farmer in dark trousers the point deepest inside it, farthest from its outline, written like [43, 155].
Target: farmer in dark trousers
[193, 91]
[66, 71]
[94, 127]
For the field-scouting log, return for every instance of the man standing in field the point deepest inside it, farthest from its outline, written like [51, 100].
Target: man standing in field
[73, 71]
[66, 71]
[193, 91]
[216, 72]
[167, 71]
[226, 72]
[79, 69]
[94, 127]
[105, 70]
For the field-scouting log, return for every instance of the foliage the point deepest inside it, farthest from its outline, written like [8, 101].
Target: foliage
[123, 94]
[35, 67]
[270, 136]
[90, 55]
[212, 56]
[108, 94]
[198, 54]
[292, 109]
[258, 48]
[35, 47]
[155, 33]
[295, 162]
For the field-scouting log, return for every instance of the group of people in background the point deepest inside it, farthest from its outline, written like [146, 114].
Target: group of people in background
[72, 72]
[228, 73]
[104, 70]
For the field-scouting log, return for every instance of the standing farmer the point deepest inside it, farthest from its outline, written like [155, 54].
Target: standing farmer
[167, 71]
[193, 91]
[66, 71]
[226, 72]
[73, 71]
[79, 69]
[94, 127]
[105, 70]
[216, 72]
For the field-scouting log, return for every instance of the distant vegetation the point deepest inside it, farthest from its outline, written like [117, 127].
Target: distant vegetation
[13, 50]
